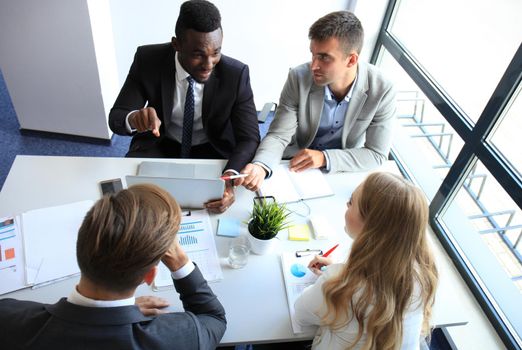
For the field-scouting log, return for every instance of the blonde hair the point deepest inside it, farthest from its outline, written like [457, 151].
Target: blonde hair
[387, 259]
[125, 234]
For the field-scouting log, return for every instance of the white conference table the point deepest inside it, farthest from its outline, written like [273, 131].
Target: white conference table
[254, 297]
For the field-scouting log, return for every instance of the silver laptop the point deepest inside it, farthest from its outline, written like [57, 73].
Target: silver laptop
[180, 170]
[189, 193]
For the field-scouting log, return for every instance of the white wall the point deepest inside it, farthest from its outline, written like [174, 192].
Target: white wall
[48, 59]
[65, 61]
[269, 35]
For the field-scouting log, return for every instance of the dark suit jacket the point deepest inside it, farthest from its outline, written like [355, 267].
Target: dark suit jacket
[31, 325]
[228, 111]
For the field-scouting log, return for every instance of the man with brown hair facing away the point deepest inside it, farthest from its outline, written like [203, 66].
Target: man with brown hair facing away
[120, 243]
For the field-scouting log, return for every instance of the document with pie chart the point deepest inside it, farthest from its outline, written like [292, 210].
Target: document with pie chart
[297, 277]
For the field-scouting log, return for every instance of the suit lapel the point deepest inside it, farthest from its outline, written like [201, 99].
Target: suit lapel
[168, 78]
[208, 95]
[357, 101]
[316, 107]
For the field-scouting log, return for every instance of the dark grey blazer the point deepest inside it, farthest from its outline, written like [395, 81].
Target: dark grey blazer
[228, 110]
[31, 325]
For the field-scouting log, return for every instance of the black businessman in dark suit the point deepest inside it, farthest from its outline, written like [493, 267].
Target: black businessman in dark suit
[120, 242]
[225, 118]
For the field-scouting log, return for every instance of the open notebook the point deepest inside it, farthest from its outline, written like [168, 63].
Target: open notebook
[287, 186]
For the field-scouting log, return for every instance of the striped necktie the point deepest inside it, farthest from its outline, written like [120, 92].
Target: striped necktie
[188, 120]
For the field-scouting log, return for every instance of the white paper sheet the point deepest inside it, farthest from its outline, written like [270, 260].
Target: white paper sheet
[196, 237]
[50, 241]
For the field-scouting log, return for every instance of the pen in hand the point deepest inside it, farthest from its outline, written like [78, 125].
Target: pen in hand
[319, 262]
[232, 177]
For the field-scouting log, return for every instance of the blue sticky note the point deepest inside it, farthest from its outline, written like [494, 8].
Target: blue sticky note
[228, 227]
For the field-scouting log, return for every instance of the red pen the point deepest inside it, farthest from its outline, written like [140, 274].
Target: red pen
[325, 255]
[330, 250]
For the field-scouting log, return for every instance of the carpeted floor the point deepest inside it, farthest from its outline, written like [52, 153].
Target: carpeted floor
[14, 142]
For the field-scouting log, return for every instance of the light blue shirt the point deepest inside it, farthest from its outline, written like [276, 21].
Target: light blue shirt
[329, 133]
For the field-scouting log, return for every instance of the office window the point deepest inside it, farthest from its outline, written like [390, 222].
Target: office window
[466, 45]
[458, 69]
[507, 138]
[489, 238]
[431, 139]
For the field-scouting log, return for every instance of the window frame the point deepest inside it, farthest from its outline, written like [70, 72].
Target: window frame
[476, 146]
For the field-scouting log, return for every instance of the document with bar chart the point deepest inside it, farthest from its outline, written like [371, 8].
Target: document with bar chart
[196, 237]
[12, 272]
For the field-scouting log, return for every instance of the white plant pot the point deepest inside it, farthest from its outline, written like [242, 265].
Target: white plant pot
[261, 246]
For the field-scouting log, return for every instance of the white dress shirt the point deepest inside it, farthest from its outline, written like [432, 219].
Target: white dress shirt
[78, 299]
[174, 126]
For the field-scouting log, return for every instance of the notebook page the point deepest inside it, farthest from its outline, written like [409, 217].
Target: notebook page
[310, 183]
[280, 186]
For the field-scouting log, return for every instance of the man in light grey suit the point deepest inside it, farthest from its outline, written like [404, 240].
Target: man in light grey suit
[335, 113]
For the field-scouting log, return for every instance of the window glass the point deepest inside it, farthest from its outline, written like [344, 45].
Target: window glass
[422, 134]
[465, 45]
[489, 239]
[507, 137]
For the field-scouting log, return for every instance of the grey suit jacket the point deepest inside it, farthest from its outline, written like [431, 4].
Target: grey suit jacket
[367, 131]
[31, 325]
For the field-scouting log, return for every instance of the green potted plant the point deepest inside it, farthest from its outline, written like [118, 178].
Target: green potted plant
[266, 220]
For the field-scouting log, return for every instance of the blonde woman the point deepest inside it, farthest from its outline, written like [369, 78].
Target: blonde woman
[381, 298]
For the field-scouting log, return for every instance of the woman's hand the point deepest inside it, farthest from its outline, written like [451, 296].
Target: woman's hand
[318, 263]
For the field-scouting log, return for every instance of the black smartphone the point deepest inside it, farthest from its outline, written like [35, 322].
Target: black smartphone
[111, 186]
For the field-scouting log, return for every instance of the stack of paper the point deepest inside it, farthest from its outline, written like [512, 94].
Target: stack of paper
[11, 256]
[39, 246]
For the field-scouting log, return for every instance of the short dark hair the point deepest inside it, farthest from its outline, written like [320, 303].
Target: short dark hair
[124, 234]
[344, 26]
[199, 15]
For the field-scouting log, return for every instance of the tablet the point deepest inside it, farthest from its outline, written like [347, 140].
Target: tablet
[180, 170]
[189, 193]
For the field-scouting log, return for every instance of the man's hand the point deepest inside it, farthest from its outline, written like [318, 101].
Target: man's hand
[307, 158]
[253, 181]
[144, 120]
[151, 306]
[228, 197]
[175, 258]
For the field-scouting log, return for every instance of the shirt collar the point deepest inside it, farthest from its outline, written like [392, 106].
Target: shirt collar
[181, 74]
[329, 95]
[76, 298]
